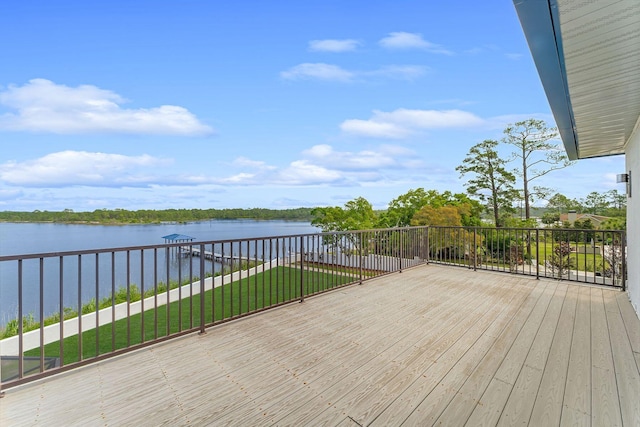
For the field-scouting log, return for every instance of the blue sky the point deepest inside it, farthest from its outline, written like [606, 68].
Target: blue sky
[277, 104]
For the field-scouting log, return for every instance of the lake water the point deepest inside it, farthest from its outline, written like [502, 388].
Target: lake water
[30, 238]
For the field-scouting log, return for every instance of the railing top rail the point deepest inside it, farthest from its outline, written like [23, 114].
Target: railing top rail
[194, 243]
[483, 227]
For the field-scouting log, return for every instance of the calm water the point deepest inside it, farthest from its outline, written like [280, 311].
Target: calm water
[18, 239]
[30, 238]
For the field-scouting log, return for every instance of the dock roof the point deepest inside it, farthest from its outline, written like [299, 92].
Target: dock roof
[178, 238]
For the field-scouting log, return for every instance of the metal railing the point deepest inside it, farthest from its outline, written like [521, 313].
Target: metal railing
[587, 256]
[62, 310]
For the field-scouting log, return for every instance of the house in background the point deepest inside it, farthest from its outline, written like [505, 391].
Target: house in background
[588, 58]
[571, 217]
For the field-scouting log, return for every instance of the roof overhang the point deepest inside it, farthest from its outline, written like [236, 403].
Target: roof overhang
[588, 57]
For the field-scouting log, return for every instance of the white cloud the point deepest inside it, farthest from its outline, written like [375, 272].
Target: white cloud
[404, 122]
[326, 156]
[239, 178]
[303, 172]
[403, 41]
[67, 168]
[324, 165]
[329, 72]
[43, 106]
[330, 45]
[318, 71]
[373, 128]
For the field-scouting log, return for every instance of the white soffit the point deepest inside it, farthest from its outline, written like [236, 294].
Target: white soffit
[601, 46]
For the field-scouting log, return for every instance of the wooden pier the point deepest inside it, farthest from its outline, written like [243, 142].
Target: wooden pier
[214, 256]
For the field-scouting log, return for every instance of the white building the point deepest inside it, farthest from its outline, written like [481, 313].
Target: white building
[588, 57]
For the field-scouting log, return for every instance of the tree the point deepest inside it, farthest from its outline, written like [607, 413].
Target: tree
[536, 154]
[619, 223]
[617, 199]
[470, 210]
[357, 214]
[492, 182]
[445, 215]
[595, 202]
[584, 236]
[550, 218]
[402, 208]
[562, 203]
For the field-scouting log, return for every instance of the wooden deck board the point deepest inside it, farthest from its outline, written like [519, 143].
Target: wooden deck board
[424, 384]
[454, 380]
[604, 393]
[577, 395]
[547, 408]
[519, 405]
[626, 370]
[433, 345]
[359, 404]
[350, 378]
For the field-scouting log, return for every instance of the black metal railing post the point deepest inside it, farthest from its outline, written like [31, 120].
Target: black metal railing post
[428, 248]
[362, 240]
[623, 260]
[301, 269]
[537, 254]
[475, 249]
[400, 253]
[202, 273]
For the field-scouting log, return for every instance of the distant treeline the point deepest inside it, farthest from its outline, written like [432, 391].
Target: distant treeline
[123, 216]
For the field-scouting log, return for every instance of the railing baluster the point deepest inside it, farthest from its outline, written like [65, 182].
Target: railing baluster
[20, 323]
[128, 261]
[113, 301]
[80, 355]
[41, 314]
[142, 335]
[167, 261]
[155, 293]
[97, 327]
[61, 284]
[191, 290]
[301, 269]
[202, 296]
[537, 254]
[179, 261]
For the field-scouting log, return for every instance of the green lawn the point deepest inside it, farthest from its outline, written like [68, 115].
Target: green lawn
[584, 262]
[273, 287]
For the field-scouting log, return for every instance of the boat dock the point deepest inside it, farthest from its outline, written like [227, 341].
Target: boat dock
[214, 256]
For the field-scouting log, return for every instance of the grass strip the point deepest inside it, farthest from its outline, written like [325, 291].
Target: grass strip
[231, 300]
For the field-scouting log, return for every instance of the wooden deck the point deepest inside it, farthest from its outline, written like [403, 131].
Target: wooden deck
[433, 345]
